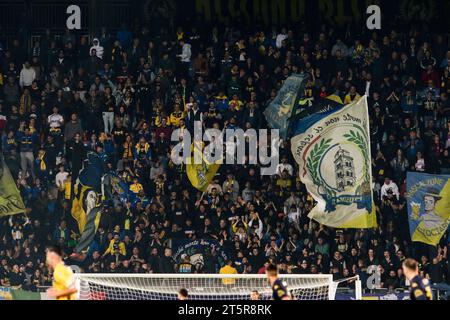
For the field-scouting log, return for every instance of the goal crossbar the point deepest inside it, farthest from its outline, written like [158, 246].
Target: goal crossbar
[200, 286]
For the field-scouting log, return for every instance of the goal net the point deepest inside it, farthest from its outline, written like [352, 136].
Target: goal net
[199, 286]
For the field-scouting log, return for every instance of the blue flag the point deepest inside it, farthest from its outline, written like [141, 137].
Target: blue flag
[120, 187]
[428, 198]
[279, 111]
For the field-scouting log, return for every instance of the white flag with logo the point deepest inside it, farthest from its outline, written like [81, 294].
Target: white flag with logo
[332, 148]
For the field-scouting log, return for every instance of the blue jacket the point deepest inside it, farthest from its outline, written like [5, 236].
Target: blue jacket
[26, 142]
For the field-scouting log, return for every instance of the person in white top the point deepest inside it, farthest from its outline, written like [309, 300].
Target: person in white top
[61, 177]
[55, 120]
[186, 53]
[98, 48]
[185, 57]
[214, 185]
[420, 163]
[367, 91]
[293, 214]
[284, 165]
[27, 75]
[256, 223]
[339, 46]
[280, 38]
[389, 185]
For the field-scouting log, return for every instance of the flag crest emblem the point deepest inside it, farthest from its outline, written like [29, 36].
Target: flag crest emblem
[333, 153]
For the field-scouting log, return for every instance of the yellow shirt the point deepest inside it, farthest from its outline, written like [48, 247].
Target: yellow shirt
[237, 104]
[348, 98]
[136, 187]
[284, 183]
[67, 189]
[228, 270]
[122, 249]
[127, 150]
[158, 120]
[175, 118]
[62, 280]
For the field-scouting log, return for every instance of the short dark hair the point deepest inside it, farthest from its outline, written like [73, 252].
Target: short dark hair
[55, 249]
[183, 292]
[272, 269]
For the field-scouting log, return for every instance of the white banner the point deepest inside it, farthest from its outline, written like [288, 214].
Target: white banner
[332, 149]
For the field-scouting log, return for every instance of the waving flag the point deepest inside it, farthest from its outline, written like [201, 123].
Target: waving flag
[119, 186]
[10, 200]
[86, 209]
[335, 98]
[320, 106]
[200, 174]
[428, 199]
[279, 111]
[332, 149]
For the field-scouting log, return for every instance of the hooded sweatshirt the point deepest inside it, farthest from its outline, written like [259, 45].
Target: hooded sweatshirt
[186, 53]
[97, 47]
[27, 77]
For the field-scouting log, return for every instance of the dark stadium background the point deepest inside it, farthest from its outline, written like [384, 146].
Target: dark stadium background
[28, 20]
[34, 16]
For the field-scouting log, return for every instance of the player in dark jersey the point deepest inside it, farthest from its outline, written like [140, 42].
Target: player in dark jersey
[420, 287]
[279, 289]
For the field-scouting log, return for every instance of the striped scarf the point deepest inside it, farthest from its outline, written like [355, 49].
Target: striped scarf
[25, 104]
[42, 165]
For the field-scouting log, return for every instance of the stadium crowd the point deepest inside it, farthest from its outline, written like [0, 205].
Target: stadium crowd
[121, 95]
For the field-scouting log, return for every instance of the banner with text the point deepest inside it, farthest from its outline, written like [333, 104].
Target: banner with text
[428, 198]
[332, 150]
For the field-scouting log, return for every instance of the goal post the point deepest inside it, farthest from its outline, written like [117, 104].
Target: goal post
[200, 286]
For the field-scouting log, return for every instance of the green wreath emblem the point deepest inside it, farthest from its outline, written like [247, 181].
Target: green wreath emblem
[314, 158]
[356, 138]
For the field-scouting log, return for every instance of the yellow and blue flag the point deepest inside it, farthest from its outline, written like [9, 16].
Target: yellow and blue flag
[280, 110]
[86, 203]
[428, 199]
[308, 107]
[200, 174]
[11, 202]
[335, 98]
[118, 186]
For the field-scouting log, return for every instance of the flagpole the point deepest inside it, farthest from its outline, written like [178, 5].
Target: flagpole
[201, 198]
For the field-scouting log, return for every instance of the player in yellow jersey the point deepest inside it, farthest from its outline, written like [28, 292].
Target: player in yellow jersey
[63, 280]
[228, 269]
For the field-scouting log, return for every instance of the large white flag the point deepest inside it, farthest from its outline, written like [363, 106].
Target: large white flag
[332, 148]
